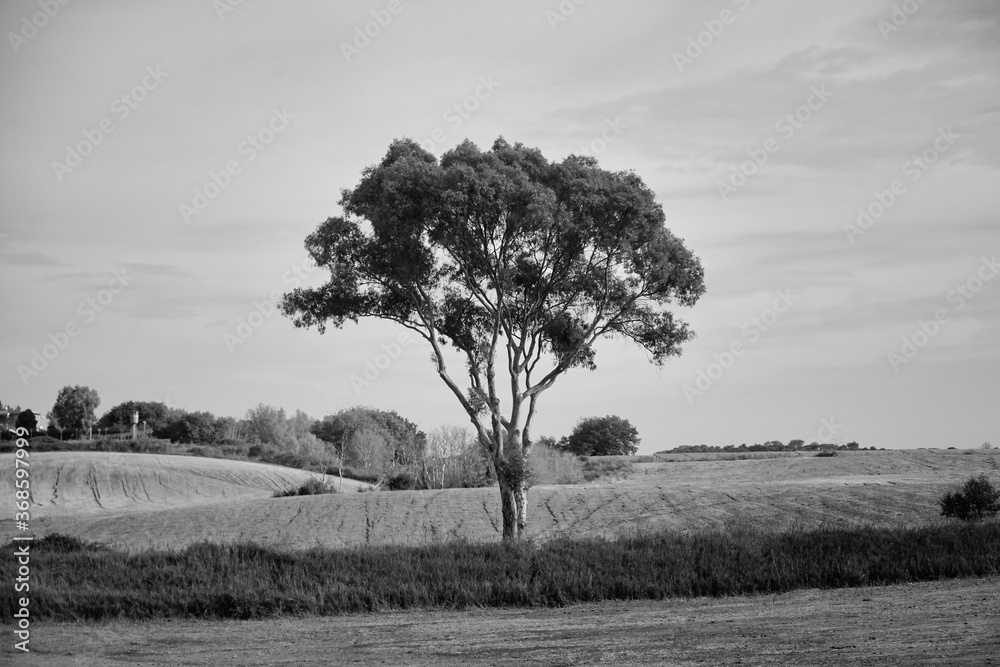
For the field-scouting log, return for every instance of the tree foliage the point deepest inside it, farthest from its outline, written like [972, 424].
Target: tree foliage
[518, 263]
[602, 436]
[155, 414]
[379, 440]
[977, 499]
[26, 419]
[74, 409]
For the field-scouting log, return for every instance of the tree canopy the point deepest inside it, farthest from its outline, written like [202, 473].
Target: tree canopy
[155, 414]
[74, 409]
[602, 436]
[518, 263]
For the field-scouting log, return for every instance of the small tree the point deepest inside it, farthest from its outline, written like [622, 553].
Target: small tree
[27, 421]
[603, 436]
[977, 499]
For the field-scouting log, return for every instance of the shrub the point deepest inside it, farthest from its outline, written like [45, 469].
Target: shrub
[827, 454]
[977, 499]
[61, 543]
[403, 481]
[314, 487]
[353, 473]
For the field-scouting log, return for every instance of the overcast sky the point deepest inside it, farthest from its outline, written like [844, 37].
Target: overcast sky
[834, 166]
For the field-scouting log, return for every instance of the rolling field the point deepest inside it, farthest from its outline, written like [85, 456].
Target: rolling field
[135, 501]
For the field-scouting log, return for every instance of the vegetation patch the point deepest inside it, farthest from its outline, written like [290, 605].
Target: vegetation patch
[243, 581]
[610, 467]
[313, 487]
[978, 499]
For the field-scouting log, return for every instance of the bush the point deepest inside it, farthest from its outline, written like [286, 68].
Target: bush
[403, 481]
[826, 454]
[353, 473]
[977, 499]
[61, 543]
[314, 487]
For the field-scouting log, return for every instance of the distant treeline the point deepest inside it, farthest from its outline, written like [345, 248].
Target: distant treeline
[769, 446]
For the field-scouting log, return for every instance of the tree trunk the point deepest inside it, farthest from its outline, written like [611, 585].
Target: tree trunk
[521, 505]
[508, 508]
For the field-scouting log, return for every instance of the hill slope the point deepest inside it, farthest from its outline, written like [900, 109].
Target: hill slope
[205, 499]
[85, 483]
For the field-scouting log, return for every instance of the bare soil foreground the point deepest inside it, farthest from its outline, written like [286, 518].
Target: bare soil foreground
[134, 501]
[937, 623]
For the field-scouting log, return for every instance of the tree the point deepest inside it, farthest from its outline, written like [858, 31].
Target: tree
[376, 439]
[268, 425]
[602, 436]
[977, 499]
[27, 421]
[452, 458]
[519, 264]
[199, 428]
[155, 414]
[74, 409]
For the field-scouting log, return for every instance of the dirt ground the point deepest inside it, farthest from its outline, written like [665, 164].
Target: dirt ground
[938, 623]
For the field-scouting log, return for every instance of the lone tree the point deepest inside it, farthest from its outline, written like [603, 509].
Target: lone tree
[74, 409]
[519, 263]
[602, 436]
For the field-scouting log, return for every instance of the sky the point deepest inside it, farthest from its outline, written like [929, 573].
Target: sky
[833, 165]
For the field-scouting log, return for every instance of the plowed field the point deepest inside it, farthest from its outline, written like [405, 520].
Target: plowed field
[140, 500]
